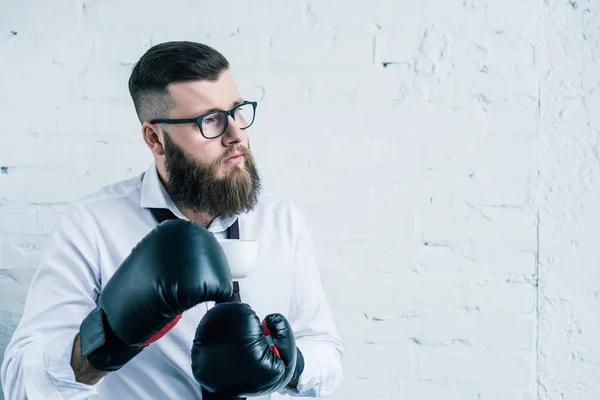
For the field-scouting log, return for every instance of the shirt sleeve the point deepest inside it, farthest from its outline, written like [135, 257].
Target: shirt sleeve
[62, 292]
[312, 322]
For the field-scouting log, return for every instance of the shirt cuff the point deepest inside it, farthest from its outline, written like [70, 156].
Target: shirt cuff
[48, 373]
[311, 382]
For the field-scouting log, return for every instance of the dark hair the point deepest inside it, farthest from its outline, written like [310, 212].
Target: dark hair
[167, 63]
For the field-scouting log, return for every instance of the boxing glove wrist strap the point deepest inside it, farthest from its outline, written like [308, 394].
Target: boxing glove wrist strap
[299, 367]
[103, 349]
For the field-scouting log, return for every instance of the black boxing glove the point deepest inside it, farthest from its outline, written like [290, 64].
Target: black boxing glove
[234, 354]
[178, 265]
[277, 327]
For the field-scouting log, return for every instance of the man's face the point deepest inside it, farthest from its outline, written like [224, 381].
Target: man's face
[215, 176]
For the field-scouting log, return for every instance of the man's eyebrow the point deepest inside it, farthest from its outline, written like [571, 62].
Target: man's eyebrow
[235, 103]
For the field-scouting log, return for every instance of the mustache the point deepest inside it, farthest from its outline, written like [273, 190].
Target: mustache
[234, 150]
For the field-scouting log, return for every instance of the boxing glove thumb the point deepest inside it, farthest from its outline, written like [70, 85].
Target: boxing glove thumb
[281, 338]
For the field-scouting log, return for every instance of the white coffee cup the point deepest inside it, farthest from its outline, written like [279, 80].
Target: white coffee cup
[241, 256]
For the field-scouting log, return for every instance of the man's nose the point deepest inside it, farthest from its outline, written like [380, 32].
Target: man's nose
[233, 134]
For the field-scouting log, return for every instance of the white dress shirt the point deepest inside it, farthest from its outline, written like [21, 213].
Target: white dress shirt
[93, 237]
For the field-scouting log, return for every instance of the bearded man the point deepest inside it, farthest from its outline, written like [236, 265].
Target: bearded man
[133, 297]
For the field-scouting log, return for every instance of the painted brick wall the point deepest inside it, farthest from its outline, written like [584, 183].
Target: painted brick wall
[568, 202]
[443, 152]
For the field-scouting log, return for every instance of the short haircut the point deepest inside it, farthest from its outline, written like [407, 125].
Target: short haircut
[166, 63]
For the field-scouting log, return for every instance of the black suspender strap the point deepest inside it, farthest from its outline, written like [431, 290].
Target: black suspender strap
[162, 214]
[233, 232]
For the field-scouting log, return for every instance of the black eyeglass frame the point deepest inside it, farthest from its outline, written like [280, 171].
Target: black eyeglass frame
[198, 120]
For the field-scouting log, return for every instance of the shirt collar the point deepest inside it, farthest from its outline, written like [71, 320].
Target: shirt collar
[154, 195]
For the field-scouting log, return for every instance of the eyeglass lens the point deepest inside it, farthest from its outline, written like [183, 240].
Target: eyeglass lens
[213, 125]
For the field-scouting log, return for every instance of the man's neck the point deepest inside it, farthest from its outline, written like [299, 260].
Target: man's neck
[198, 217]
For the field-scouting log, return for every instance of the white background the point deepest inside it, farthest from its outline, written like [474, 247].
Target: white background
[444, 154]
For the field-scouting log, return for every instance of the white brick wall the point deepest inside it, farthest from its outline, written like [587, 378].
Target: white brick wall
[444, 153]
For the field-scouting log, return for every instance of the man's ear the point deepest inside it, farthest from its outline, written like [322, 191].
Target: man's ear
[153, 137]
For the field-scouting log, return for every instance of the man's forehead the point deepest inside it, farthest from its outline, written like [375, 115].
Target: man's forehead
[201, 95]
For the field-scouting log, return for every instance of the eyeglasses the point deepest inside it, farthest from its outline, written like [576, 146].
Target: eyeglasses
[213, 124]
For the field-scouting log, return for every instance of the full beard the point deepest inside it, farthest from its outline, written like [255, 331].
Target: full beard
[196, 187]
